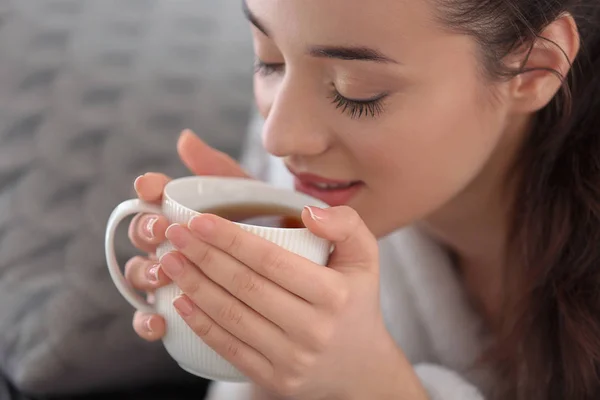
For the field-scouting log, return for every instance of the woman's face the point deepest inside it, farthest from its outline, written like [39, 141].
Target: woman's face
[375, 95]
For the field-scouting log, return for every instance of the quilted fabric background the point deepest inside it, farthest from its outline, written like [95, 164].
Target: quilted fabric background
[92, 94]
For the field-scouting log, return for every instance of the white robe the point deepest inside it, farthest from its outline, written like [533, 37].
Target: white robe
[423, 302]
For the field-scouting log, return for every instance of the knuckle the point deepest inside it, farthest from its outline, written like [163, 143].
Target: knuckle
[338, 299]
[289, 385]
[301, 360]
[234, 244]
[232, 349]
[274, 263]
[351, 216]
[188, 282]
[320, 336]
[204, 328]
[231, 313]
[206, 256]
[246, 282]
[354, 222]
[191, 287]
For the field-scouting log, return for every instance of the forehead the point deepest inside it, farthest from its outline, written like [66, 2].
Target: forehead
[345, 22]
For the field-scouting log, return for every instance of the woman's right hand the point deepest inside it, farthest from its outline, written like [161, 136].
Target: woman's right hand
[147, 231]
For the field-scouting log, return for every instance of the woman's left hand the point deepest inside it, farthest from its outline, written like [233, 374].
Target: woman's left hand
[295, 328]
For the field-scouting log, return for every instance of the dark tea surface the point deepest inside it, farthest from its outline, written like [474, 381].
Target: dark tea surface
[267, 215]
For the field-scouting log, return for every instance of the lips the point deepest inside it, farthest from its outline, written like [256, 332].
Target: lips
[330, 191]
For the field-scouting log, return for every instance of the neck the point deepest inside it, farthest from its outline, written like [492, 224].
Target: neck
[474, 226]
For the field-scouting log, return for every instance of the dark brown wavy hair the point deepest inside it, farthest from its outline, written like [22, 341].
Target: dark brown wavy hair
[548, 346]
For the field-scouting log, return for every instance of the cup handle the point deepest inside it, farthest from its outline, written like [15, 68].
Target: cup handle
[122, 211]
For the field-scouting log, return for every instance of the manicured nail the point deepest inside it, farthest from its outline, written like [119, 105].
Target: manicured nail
[136, 183]
[183, 305]
[202, 225]
[149, 227]
[171, 265]
[148, 325]
[177, 235]
[316, 213]
[152, 273]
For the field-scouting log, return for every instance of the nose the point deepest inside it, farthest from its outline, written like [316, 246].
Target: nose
[293, 126]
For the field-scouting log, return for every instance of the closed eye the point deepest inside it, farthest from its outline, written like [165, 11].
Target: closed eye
[266, 69]
[357, 108]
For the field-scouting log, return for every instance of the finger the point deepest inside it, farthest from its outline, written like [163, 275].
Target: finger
[201, 159]
[149, 187]
[228, 312]
[149, 327]
[262, 295]
[292, 272]
[144, 274]
[147, 231]
[246, 359]
[355, 245]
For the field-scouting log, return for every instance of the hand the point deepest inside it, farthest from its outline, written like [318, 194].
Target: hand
[146, 232]
[293, 327]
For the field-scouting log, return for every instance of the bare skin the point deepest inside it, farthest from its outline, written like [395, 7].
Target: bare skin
[434, 152]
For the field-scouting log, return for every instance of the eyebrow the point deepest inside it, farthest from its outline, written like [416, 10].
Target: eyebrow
[252, 18]
[350, 54]
[336, 52]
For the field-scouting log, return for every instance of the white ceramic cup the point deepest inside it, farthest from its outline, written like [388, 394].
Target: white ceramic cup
[182, 200]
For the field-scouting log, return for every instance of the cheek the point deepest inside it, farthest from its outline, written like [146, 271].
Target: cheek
[429, 151]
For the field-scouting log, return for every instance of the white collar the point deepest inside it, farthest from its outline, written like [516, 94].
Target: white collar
[457, 333]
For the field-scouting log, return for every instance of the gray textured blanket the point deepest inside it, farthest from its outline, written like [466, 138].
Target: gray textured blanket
[93, 93]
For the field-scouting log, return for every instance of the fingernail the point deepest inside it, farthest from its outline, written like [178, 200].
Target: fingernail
[136, 183]
[316, 213]
[148, 325]
[171, 265]
[202, 225]
[152, 273]
[177, 235]
[183, 305]
[186, 132]
[149, 227]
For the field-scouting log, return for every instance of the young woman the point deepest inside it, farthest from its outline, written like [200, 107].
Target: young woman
[464, 135]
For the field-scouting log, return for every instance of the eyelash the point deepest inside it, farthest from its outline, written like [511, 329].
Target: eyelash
[354, 108]
[358, 108]
[266, 69]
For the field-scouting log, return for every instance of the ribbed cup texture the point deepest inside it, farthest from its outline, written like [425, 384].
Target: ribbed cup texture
[181, 342]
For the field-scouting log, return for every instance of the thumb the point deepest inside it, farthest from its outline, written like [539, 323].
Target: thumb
[201, 159]
[355, 245]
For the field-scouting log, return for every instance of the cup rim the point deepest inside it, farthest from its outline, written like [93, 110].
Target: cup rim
[250, 181]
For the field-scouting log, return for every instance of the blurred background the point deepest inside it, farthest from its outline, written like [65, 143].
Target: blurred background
[92, 94]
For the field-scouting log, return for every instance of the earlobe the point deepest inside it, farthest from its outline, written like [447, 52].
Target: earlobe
[546, 64]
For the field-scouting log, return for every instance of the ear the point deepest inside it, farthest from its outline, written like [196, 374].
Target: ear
[553, 52]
